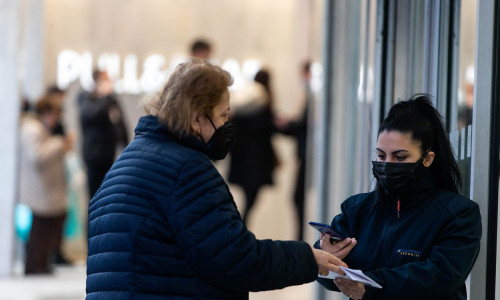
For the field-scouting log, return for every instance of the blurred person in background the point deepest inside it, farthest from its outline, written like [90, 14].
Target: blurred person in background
[43, 182]
[298, 129]
[253, 158]
[201, 48]
[58, 95]
[164, 223]
[103, 129]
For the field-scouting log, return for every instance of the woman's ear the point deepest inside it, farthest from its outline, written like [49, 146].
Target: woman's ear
[195, 123]
[429, 159]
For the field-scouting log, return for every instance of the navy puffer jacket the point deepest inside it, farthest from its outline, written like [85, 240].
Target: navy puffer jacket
[164, 225]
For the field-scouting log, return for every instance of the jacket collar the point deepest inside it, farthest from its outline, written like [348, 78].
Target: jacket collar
[149, 125]
[420, 192]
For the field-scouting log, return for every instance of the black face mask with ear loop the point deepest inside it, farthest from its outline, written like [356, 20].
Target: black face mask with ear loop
[221, 141]
[397, 178]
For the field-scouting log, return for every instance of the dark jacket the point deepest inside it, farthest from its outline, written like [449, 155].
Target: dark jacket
[426, 253]
[100, 135]
[164, 225]
[298, 128]
[252, 156]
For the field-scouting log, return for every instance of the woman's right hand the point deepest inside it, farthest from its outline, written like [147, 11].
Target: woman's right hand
[328, 262]
[338, 248]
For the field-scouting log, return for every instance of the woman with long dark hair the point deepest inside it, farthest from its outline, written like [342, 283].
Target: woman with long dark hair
[253, 158]
[414, 235]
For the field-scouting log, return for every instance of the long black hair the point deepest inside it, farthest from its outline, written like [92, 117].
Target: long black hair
[418, 117]
[264, 77]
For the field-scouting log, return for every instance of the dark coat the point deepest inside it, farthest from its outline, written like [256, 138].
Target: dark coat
[100, 135]
[299, 128]
[164, 225]
[426, 253]
[252, 156]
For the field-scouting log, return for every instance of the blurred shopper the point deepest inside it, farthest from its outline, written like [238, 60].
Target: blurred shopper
[58, 95]
[43, 183]
[415, 235]
[298, 129]
[253, 158]
[103, 129]
[164, 224]
[201, 48]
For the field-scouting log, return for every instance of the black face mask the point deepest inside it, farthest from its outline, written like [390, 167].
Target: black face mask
[397, 178]
[221, 141]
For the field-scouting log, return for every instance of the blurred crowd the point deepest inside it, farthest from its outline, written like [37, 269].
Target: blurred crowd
[51, 156]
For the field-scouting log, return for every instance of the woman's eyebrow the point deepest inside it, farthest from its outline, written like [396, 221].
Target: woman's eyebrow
[393, 152]
[399, 151]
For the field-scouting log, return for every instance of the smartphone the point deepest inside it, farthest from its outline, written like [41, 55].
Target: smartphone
[325, 228]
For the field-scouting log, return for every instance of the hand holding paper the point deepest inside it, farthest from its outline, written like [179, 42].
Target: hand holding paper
[355, 275]
[327, 262]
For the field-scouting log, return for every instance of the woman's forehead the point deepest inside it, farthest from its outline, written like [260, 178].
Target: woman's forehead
[396, 139]
[223, 104]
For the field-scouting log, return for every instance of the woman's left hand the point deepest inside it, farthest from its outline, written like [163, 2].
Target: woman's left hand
[338, 248]
[351, 289]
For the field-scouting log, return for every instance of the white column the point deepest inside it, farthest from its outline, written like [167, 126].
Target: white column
[482, 138]
[32, 60]
[9, 115]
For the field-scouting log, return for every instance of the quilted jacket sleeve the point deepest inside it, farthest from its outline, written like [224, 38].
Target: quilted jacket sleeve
[217, 243]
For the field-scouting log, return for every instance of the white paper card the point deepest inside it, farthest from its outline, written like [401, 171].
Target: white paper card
[355, 275]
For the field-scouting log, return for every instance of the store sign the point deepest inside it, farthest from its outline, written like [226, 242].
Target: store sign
[153, 74]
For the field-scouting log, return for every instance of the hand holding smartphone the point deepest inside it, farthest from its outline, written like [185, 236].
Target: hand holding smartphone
[325, 228]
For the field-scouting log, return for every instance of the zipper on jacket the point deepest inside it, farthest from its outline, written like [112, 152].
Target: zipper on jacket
[399, 206]
[386, 237]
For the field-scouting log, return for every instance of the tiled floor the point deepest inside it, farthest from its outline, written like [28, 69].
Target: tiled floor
[273, 217]
[68, 283]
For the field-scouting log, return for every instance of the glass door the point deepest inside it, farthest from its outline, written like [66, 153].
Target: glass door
[462, 99]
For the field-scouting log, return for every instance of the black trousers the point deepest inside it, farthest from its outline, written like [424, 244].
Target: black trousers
[299, 198]
[44, 243]
[250, 197]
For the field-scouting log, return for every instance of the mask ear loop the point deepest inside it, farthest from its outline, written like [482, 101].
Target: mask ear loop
[209, 119]
[213, 125]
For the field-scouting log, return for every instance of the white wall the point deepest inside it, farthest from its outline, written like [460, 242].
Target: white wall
[31, 54]
[9, 28]
[280, 33]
